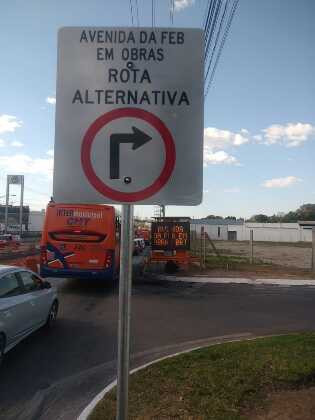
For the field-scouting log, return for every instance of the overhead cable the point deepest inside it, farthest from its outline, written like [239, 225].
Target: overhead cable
[216, 29]
[131, 11]
[137, 10]
[214, 49]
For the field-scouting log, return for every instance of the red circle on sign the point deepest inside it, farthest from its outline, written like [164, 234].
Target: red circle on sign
[98, 184]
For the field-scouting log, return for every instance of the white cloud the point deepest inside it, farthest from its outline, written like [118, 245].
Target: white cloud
[206, 191]
[217, 139]
[290, 135]
[258, 137]
[182, 4]
[26, 165]
[9, 123]
[216, 142]
[219, 158]
[16, 143]
[281, 182]
[232, 190]
[51, 100]
[50, 152]
[2, 143]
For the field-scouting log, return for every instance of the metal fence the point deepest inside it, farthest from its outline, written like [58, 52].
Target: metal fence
[231, 253]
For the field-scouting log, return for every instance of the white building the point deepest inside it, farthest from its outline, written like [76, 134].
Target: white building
[36, 221]
[218, 229]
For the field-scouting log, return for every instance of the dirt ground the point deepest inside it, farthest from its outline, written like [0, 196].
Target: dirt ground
[287, 405]
[297, 255]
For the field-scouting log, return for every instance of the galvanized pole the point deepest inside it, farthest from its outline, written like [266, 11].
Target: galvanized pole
[125, 281]
[313, 249]
[6, 206]
[21, 205]
[251, 246]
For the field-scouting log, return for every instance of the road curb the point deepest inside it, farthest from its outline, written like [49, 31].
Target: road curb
[202, 343]
[239, 280]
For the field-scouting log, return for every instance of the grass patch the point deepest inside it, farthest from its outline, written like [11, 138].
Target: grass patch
[232, 262]
[218, 382]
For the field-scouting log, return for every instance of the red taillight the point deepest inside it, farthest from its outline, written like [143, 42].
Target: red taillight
[43, 255]
[108, 260]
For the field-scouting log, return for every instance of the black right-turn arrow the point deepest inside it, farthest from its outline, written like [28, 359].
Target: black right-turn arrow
[137, 137]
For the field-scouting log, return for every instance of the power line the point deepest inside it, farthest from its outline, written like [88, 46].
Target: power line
[217, 39]
[137, 9]
[172, 9]
[153, 13]
[213, 27]
[205, 13]
[171, 15]
[219, 34]
[131, 12]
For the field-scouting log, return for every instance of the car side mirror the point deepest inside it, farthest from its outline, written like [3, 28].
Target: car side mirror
[46, 285]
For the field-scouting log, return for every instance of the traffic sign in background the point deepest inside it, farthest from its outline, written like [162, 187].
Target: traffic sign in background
[129, 116]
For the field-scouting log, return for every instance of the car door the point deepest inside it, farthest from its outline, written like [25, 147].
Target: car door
[39, 298]
[14, 308]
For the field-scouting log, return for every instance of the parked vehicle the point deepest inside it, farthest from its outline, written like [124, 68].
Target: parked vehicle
[145, 234]
[9, 241]
[27, 302]
[80, 241]
[138, 246]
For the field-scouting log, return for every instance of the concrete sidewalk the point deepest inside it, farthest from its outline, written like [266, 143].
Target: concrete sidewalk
[239, 280]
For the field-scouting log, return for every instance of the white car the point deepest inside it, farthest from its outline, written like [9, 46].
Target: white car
[27, 302]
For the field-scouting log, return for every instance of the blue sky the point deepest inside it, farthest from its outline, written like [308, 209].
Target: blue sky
[259, 113]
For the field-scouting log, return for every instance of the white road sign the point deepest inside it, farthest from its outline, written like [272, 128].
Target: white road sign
[129, 116]
[15, 179]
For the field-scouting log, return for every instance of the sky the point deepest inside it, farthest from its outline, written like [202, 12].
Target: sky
[259, 115]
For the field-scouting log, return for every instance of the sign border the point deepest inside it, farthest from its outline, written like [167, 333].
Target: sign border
[98, 184]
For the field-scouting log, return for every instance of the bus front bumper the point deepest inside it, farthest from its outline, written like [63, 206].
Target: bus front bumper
[103, 274]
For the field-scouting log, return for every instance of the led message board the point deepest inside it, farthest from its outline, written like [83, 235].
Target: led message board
[169, 236]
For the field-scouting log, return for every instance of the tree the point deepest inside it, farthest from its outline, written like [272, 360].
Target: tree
[259, 218]
[290, 217]
[306, 212]
[212, 216]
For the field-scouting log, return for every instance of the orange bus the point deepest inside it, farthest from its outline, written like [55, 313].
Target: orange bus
[80, 241]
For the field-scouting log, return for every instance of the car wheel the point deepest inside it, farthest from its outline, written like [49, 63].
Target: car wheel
[52, 316]
[2, 347]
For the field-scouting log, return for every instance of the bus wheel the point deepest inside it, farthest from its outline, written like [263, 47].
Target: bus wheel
[52, 316]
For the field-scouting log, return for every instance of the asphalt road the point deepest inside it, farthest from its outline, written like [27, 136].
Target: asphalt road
[54, 374]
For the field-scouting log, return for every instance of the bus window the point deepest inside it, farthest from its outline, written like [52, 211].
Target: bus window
[79, 241]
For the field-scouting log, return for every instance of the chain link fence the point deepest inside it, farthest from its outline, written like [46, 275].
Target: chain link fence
[229, 254]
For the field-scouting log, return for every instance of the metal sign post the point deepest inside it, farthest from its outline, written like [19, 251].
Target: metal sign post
[15, 180]
[125, 281]
[6, 206]
[21, 205]
[124, 128]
